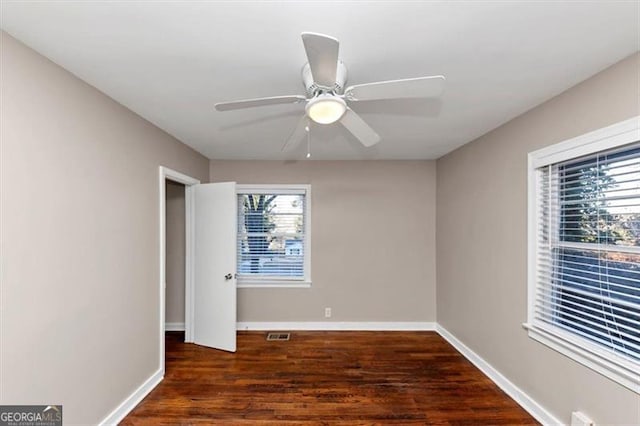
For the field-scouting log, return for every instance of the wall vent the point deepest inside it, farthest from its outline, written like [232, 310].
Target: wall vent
[278, 336]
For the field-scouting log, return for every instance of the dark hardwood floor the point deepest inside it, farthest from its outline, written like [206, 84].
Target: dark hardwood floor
[336, 378]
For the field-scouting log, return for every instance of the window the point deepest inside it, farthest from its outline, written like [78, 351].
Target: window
[584, 235]
[273, 235]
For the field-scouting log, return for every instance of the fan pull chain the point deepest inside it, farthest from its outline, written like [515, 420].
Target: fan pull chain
[308, 142]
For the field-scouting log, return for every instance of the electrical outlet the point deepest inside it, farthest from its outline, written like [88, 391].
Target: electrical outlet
[327, 312]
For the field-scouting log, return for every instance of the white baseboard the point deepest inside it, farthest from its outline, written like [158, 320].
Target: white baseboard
[337, 326]
[524, 400]
[132, 400]
[174, 326]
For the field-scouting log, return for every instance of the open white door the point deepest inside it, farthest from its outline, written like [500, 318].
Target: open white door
[214, 288]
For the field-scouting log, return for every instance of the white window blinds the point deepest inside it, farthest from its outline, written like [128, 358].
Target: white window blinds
[587, 283]
[272, 241]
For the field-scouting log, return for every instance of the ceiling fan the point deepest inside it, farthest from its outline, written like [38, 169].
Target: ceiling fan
[327, 101]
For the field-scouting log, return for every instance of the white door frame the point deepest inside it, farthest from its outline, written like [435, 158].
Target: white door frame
[165, 174]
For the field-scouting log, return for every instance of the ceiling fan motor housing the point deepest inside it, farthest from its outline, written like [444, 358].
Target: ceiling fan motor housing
[314, 89]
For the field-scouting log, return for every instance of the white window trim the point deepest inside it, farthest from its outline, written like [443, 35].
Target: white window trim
[283, 282]
[584, 352]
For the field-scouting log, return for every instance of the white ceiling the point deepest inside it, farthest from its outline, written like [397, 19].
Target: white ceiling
[171, 61]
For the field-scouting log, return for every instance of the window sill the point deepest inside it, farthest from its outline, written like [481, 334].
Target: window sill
[623, 372]
[273, 284]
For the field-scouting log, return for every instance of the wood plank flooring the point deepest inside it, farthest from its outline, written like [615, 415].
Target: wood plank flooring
[325, 378]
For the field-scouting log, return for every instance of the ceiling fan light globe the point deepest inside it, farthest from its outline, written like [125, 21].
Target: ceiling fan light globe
[326, 109]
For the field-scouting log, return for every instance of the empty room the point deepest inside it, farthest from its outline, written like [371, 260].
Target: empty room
[319, 212]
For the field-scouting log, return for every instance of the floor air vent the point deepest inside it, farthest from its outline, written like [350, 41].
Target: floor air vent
[278, 336]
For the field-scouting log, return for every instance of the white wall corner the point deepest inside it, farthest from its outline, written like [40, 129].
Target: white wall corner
[132, 400]
[337, 326]
[517, 394]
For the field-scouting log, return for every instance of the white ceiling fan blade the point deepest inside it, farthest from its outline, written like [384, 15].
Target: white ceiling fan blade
[298, 133]
[258, 102]
[359, 128]
[322, 54]
[421, 87]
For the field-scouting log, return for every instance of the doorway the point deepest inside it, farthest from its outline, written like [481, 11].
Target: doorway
[210, 260]
[175, 255]
[179, 186]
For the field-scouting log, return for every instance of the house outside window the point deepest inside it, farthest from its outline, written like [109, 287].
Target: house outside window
[273, 235]
[584, 250]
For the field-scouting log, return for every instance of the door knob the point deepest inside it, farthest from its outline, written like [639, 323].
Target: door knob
[228, 277]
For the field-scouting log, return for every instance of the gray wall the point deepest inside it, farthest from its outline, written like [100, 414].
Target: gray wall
[175, 260]
[482, 246]
[79, 197]
[372, 240]
[79, 223]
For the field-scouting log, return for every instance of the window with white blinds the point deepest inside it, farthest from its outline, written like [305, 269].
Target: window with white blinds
[273, 237]
[585, 292]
